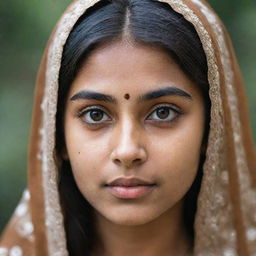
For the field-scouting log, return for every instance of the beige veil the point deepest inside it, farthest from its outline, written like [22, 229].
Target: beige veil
[226, 217]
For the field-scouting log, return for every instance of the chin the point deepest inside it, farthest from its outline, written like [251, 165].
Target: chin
[130, 221]
[131, 217]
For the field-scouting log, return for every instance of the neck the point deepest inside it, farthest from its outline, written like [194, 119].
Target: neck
[163, 236]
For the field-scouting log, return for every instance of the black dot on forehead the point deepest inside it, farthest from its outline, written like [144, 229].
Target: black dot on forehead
[127, 96]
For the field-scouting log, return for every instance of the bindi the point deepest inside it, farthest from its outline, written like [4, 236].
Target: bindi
[127, 96]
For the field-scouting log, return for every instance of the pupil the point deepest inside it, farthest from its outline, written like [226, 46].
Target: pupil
[163, 113]
[96, 115]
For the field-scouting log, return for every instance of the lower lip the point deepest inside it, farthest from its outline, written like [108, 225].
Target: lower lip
[130, 192]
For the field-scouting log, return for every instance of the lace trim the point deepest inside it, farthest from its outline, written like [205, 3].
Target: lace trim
[215, 231]
[24, 226]
[54, 218]
[248, 194]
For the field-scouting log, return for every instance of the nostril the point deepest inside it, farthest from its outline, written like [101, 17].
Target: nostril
[117, 161]
[133, 162]
[137, 160]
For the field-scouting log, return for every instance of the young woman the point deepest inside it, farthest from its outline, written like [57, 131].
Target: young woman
[139, 106]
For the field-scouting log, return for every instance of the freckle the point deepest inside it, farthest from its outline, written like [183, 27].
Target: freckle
[79, 152]
[127, 96]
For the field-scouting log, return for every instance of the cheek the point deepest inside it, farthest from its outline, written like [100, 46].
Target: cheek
[87, 154]
[178, 156]
[83, 155]
[84, 159]
[86, 174]
[179, 169]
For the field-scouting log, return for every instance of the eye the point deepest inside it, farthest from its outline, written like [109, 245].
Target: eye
[164, 114]
[94, 116]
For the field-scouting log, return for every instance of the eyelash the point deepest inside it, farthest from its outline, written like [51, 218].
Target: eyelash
[88, 110]
[171, 107]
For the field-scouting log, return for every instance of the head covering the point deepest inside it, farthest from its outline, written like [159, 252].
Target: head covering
[226, 217]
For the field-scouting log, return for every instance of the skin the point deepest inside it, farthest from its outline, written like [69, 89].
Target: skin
[133, 140]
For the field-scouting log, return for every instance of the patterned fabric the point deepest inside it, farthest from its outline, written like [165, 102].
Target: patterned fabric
[226, 217]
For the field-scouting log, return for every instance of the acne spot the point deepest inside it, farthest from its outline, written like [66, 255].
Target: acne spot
[127, 96]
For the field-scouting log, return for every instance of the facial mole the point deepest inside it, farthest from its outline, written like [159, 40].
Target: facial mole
[127, 96]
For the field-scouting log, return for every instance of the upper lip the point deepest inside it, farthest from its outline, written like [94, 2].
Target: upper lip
[129, 182]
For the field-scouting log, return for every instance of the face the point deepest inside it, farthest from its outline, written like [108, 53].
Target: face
[134, 124]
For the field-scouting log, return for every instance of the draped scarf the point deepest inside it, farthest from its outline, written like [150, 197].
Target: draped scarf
[225, 221]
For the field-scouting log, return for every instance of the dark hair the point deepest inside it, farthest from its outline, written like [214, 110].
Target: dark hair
[145, 22]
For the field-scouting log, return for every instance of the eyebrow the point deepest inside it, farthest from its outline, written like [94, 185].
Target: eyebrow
[90, 95]
[171, 90]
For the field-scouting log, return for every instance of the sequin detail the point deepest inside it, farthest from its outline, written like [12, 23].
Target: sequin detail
[16, 251]
[247, 192]
[54, 218]
[214, 212]
[3, 251]
[251, 234]
[24, 226]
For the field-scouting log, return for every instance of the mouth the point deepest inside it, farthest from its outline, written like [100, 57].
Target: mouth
[130, 188]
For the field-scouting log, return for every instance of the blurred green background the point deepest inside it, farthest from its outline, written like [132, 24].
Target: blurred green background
[25, 26]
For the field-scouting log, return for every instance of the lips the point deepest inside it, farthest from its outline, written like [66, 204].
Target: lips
[130, 188]
[129, 182]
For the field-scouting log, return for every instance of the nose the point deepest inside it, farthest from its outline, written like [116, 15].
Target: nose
[128, 148]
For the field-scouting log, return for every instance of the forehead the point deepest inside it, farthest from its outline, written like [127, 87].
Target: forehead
[123, 68]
